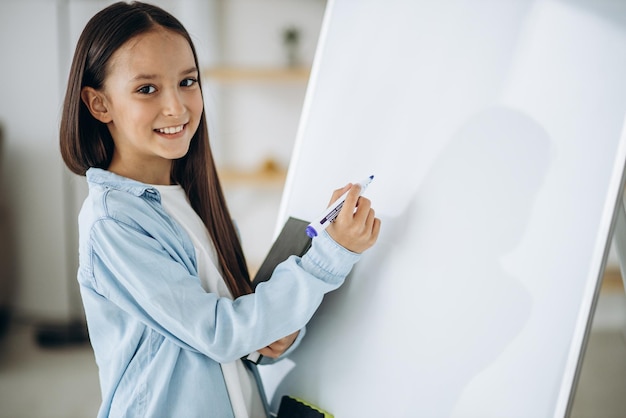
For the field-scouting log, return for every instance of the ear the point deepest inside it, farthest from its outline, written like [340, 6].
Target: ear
[95, 102]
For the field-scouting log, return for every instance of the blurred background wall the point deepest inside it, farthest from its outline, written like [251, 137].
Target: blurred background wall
[255, 57]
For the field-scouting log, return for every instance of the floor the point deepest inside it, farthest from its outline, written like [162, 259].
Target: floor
[46, 383]
[601, 391]
[62, 382]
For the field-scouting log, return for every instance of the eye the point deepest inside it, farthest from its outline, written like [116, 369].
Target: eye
[188, 82]
[146, 90]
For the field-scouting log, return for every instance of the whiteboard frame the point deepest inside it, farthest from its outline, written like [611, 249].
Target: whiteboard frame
[609, 226]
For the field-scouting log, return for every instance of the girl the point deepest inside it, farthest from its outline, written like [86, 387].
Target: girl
[164, 283]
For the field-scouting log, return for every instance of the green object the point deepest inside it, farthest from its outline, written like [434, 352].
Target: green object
[291, 407]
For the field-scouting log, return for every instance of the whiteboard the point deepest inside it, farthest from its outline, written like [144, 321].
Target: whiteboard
[494, 131]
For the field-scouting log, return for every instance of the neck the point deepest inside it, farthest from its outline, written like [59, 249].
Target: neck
[159, 174]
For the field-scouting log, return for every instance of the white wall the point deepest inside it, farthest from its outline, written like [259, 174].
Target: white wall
[29, 110]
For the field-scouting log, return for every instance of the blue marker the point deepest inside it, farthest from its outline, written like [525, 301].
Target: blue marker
[333, 210]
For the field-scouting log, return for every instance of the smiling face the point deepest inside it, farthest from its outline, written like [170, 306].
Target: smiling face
[151, 102]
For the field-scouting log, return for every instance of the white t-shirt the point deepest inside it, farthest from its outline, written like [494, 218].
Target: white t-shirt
[240, 383]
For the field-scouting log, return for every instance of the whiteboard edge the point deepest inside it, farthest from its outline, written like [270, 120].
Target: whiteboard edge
[304, 118]
[584, 322]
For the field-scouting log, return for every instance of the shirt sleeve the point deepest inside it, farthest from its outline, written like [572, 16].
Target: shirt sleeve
[145, 279]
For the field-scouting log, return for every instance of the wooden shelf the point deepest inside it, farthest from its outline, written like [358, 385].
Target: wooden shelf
[274, 75]
[264, 177]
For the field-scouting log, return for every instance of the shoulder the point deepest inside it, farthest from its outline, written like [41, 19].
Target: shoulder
[122, 200]
[121, 206]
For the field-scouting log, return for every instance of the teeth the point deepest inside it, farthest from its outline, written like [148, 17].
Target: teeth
[171, 129]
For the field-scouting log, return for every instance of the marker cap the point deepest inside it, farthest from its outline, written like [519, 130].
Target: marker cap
[310, 231]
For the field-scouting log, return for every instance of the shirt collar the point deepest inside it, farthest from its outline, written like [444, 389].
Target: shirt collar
[114, 181]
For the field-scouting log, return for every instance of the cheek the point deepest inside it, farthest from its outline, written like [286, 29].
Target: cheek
[196, 106]
[134, 116]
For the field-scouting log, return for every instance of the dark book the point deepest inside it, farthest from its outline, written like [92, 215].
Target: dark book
[292, 240]
[291, 407]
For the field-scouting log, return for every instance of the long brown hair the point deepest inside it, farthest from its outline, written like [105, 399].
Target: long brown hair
[86, 142]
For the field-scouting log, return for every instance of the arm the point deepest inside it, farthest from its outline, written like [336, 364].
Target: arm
[356, 228]
[151, 283]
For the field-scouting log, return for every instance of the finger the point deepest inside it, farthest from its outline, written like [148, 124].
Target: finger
[369, 219]
[375, 230]
[337, 193]
[278, 347]
[347, 211]
[363, 209]
[268, 352]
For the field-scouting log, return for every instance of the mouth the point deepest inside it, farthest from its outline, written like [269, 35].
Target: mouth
[171, 130]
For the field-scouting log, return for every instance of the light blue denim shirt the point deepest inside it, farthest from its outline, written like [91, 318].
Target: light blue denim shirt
[158, 337]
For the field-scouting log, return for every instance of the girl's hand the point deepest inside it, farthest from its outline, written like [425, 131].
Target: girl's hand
[277, 348]
[356, 228]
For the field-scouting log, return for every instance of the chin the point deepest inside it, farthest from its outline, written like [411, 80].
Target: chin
[176, 154]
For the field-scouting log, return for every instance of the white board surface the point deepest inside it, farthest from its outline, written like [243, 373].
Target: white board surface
[493, 129]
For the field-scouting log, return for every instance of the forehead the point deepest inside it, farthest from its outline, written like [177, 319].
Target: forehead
[157, 52]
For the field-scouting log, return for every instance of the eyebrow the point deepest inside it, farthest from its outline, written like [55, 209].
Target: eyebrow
[154, 76]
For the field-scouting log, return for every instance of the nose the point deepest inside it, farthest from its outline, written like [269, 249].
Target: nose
[173, 104]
